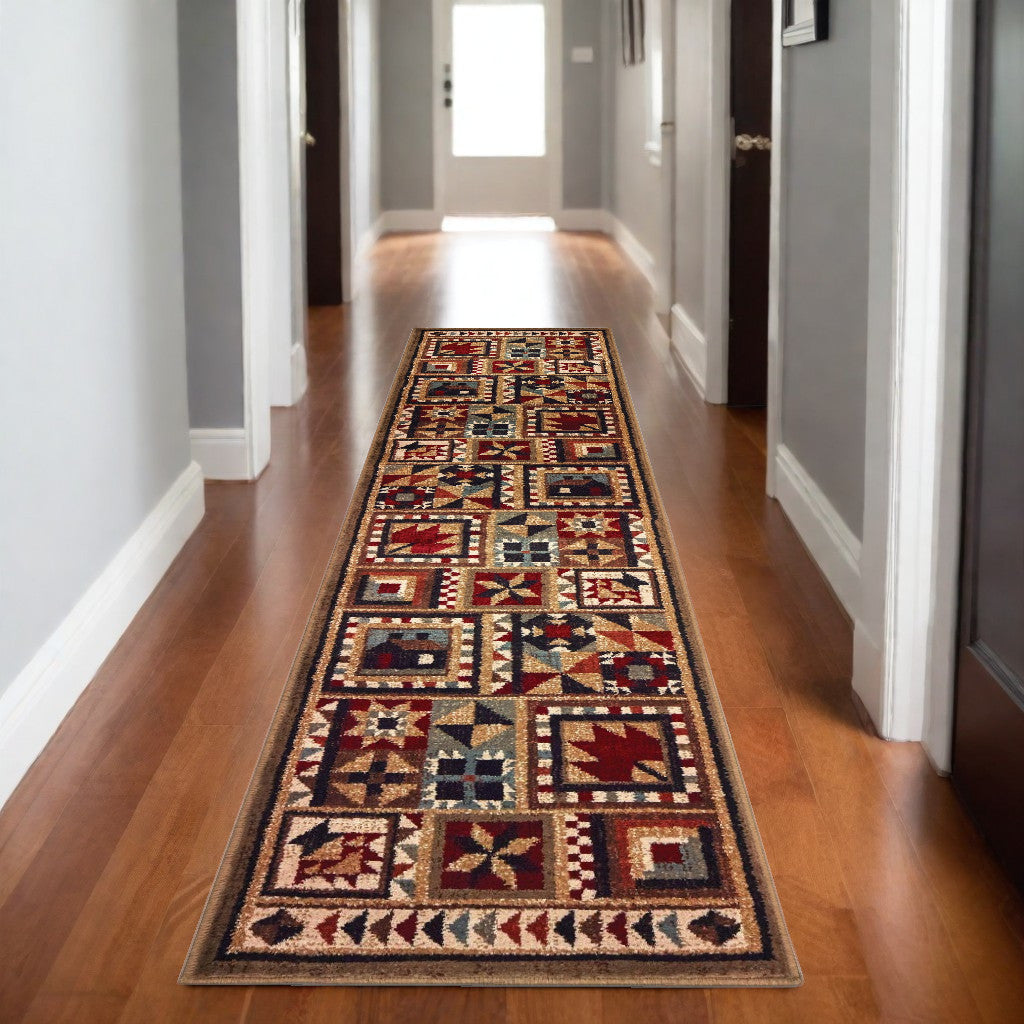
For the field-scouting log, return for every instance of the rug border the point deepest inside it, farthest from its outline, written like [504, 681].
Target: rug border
[201, 966]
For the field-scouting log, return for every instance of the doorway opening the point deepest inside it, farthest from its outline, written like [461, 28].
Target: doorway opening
[722, 91]
[497, 107]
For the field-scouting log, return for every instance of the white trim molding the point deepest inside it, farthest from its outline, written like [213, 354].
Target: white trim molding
[35, 703]
[912, 520]
[581, 219]
[366, 242]
[288, 319]
[822, 529]
[260, 280]
[630, 244]
[717, 187]
[776, 253]
[690, 347]
[221, 452]
[409, 220]
[300, 374]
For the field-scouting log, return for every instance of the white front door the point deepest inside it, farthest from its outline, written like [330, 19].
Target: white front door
[499, 129]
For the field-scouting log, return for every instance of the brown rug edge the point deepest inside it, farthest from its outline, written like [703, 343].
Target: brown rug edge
[201, 966]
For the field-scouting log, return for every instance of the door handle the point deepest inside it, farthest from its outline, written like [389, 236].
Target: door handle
[747, 142]
[308, 139]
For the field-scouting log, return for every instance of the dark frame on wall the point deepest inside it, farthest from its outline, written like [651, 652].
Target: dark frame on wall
[633, 31]
[804, 21]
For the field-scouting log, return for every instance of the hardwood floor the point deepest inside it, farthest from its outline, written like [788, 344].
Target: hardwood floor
[108, 847]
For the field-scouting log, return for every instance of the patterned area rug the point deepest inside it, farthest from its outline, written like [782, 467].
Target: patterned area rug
[500, 758]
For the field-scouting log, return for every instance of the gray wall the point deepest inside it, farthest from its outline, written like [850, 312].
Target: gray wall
[212, 239]
[406, 105]
[406, 98]
[93, 406]
[582, 109]
[826, 257]
[636, 182]
[693, 87]
[366, 142]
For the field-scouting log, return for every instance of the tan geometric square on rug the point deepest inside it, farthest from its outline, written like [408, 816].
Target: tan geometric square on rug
[500, 758]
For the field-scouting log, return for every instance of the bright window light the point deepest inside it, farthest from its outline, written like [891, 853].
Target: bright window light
[498, 82]
[498, 224]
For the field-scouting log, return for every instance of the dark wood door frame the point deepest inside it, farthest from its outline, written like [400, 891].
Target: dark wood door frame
[324, 67]
[988, 751]
[750, 86]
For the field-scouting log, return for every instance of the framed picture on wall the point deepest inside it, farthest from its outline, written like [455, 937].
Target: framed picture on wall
[804, 21]
[632, 31]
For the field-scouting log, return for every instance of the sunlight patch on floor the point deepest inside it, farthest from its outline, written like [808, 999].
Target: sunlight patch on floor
[497, 224]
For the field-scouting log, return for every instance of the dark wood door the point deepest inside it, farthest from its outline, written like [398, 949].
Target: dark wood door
[988, 752]
[323, 156]
[751, 97]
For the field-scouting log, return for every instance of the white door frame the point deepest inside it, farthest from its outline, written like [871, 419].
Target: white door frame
[665, 258]
[776, 250]
[906, 635]
[711, 355]
[348, 243]
[262, 282]
[717, 188]
[905, 625]
[553, 25]
[288, 339]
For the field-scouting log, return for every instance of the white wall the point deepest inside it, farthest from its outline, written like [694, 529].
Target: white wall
[365, 113]
[93, 407]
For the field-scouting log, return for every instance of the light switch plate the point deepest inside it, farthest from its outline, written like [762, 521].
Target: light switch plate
[582, 55]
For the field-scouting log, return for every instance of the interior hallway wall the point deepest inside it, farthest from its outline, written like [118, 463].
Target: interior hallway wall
[636, 181]
[93, 410]
[366, 118]
[692, 153]
[208, 60]
[825, 269]
[406, 104]
[583, 120]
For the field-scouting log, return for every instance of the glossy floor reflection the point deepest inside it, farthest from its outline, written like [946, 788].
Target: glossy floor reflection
[108, 848]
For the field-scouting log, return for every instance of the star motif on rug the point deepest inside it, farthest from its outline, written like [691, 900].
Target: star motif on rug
[493, 851]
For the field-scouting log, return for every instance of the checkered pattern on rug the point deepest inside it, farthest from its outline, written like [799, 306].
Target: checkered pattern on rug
[502, 752]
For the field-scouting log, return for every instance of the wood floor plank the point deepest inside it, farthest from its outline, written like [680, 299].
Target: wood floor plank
[108, 848]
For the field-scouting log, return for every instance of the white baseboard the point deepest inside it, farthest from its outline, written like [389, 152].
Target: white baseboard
[409, 220]
[35, 704]
[691, 347]
[583, 220]
[221, 452]
[634, 250]
[300, 376]
[830, 541]
[368, 238]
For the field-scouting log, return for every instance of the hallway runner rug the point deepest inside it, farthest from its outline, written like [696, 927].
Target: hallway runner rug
[500, 758]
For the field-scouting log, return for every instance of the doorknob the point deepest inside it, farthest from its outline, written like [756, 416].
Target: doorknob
[308, 139]
[746, 142]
